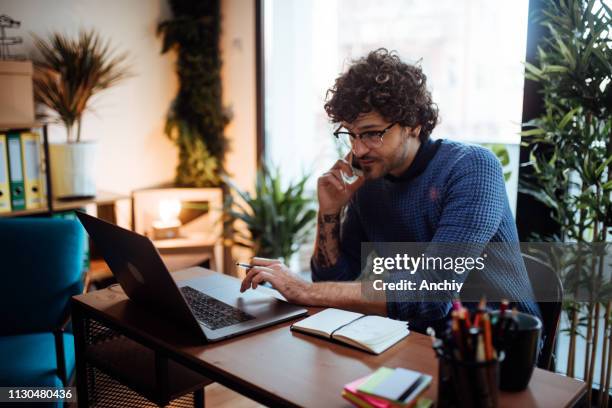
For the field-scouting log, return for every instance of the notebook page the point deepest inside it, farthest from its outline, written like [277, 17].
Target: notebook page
[326, 321]
[372, 331]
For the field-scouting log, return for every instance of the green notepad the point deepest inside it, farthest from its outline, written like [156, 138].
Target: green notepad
[400, 386]
[375, 379]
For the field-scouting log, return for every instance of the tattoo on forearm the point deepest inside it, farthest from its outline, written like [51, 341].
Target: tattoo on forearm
[328, 235]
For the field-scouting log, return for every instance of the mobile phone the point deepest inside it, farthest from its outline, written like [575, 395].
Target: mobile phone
[357, 172]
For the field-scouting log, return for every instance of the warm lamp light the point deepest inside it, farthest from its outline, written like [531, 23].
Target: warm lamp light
[169, 210]
[167, 225]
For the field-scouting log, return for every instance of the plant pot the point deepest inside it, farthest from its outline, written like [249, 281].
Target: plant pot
[73, 169]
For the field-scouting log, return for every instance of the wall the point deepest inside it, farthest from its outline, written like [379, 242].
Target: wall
[239, 91]
[239, 94]
[127, 121]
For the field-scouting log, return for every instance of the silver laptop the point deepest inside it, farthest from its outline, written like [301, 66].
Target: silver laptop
[212, 307]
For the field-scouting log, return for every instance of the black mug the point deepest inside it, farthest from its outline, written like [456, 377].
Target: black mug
[521, 345]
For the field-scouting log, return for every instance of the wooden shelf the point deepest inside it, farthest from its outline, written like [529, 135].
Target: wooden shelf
[21, 213]
[20, 126]
[193, 242]
[101, 198]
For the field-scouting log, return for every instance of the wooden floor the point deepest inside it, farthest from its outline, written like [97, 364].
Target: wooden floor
[217, 396]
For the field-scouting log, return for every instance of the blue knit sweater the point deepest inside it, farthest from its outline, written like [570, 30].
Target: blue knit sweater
[452, 193]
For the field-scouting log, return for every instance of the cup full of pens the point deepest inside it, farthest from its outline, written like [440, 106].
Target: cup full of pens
[469, 356]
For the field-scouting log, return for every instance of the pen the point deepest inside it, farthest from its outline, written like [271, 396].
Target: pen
[456, 332]
[465, 317]
[488, 340]
[244, 265]
[482, 307]
[480, 353]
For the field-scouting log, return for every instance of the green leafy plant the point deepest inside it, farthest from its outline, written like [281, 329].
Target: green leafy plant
[503, 156]
[571, 154]
[196, 119]
[70, 71]
[275, 221]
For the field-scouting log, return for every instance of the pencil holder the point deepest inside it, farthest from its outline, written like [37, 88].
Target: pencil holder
[466, 384]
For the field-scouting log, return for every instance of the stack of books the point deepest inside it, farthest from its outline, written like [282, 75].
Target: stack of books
[389, 388]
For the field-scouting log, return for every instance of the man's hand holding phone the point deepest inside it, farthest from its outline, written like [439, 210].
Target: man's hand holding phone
[336, 187]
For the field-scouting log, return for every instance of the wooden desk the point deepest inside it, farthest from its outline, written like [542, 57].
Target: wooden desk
[278, 367]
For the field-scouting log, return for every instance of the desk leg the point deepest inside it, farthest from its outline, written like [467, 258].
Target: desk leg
[198, 398]
[161, 376]
[78, 324]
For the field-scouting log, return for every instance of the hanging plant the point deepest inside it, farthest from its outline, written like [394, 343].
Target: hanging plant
[196, 120]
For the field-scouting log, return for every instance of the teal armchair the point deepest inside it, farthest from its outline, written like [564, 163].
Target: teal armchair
[41, 267]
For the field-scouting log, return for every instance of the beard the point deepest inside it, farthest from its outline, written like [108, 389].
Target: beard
[380, 166]
[375, 170]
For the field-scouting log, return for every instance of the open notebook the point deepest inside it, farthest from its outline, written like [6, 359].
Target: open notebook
[374, 334]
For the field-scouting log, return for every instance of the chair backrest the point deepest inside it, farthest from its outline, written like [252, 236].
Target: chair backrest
[41, 266]
[548, 291]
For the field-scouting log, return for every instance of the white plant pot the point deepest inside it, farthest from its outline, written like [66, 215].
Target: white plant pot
[73, 169]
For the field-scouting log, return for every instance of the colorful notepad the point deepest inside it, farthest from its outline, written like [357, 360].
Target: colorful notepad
[359, 399]
[389, 388]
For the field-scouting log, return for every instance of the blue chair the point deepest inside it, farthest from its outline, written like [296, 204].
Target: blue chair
[41, 268]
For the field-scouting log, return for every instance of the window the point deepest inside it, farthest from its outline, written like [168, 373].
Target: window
[471, 51]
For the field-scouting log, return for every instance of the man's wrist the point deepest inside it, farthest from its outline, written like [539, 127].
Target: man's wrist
[329, 216]
[330, 222]
[314, 295]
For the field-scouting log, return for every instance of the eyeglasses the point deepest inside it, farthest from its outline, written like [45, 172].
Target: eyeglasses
[371, 138]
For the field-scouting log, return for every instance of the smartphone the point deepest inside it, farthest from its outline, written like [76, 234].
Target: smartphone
[357, 171]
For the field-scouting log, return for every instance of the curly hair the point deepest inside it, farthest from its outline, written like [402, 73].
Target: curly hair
[382, 82]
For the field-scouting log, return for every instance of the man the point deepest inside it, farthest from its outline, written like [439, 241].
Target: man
[412, 190]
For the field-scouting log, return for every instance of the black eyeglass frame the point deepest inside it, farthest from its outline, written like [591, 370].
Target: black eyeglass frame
[355, 136]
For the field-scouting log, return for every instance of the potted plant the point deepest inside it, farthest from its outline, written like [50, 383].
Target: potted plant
[68, 72]
[275, 221]
[571, 162]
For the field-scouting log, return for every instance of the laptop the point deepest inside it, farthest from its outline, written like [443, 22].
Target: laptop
[211, 307]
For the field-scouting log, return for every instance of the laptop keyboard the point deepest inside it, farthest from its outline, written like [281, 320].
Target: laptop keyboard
[213, 313]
